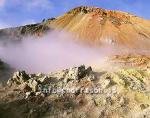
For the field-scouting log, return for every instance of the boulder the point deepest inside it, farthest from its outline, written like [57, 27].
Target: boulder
[78, 73]
[44, 80]
[18, 78]
[24, 87]
[33, 84]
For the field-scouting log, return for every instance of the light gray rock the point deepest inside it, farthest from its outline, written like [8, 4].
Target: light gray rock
[18, 78]
[105, 83]
[33, 84]
[28, 94]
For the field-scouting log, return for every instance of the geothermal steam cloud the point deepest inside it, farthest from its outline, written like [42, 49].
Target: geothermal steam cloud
[55, 51]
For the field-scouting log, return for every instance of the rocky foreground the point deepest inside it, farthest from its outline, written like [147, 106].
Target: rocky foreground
[77, 92]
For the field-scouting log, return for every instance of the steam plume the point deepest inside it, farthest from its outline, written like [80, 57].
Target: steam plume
[55, 51]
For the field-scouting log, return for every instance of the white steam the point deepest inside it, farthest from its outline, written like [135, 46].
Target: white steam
[55, 51]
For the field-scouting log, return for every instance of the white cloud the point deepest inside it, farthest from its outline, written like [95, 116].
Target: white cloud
[33, 4]
[2, 3]
[39, 4]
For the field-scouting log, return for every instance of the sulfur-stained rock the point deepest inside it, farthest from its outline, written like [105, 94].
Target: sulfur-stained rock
[121, 93]
[106, 83]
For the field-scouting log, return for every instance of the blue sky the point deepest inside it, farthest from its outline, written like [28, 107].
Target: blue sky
[21, 12]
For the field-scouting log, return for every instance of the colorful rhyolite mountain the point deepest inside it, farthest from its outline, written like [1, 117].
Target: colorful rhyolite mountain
[93, 25]
[101, 26]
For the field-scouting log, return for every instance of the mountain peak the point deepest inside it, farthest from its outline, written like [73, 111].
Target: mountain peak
[98, 26]
[86, 9]
[99, 11]
[94, 25]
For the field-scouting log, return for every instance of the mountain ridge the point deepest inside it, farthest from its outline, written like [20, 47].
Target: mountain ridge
[104, 26]
[93, 25]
